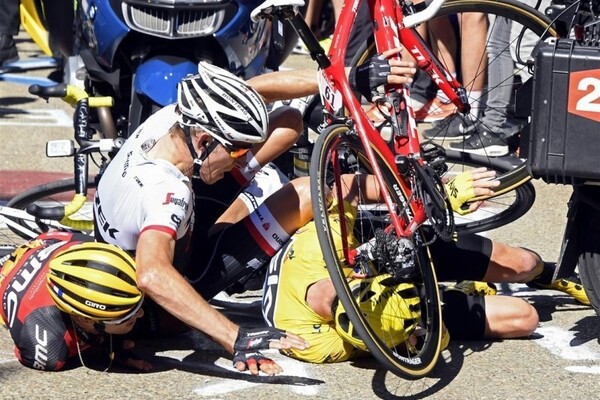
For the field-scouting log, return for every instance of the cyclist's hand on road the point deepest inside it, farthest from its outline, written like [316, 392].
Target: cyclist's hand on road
[255, 362]
[126, 357]
[468, 185]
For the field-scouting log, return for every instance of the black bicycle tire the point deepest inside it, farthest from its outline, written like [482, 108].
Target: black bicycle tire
[23, 200]
[415, 367]
[587, 242]
[589, 269]
[515, 175]
[516, 180]
[512, 9]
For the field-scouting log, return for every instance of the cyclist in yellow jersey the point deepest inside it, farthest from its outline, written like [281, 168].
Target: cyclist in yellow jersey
[298, 265]
[299, 295]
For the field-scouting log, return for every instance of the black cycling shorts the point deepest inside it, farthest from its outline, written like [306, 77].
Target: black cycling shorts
[223, 259]
[463, 315]
[467, 258]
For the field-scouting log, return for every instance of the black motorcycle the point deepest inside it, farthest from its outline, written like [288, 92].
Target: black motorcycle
[564, 142]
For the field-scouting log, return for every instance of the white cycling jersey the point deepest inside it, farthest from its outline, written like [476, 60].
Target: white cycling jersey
[136, 193]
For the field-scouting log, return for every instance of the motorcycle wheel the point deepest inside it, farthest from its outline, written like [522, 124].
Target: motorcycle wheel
[589, 252]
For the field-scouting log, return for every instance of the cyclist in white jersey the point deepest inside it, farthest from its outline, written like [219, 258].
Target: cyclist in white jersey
[144, 202]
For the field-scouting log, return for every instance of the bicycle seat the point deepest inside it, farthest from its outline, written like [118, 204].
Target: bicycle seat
[267, 8]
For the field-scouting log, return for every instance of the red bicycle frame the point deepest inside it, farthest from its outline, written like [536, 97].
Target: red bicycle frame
[390, 33]
[392, 30]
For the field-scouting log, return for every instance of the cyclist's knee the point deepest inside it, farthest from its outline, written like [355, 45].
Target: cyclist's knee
[291, 205]
[513, 264]
[528, 265]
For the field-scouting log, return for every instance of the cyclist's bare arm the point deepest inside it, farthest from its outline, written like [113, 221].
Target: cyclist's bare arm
[158, 278]
[284, 85]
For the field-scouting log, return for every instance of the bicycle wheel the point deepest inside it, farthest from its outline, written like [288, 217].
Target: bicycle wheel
[504, 97]
[57, 193]
[528, 23]
[584, 237]
[514, 196]
[338, 151]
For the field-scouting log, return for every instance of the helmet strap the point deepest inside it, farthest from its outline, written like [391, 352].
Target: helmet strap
[200, 160]
[188, 141]
[100, 327]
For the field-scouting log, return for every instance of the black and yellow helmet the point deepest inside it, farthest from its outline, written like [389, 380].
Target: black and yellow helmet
[95, 280]
[392, 309]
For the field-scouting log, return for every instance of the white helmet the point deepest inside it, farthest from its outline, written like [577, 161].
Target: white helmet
[223, 105]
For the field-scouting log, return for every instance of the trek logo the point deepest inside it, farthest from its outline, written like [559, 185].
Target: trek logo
[584, 94]
[21, 281]
[420, 59]
[101, 221]
[271, 285]
[174, 200]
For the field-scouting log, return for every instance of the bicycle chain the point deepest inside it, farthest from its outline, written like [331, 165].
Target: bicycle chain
[436, 202]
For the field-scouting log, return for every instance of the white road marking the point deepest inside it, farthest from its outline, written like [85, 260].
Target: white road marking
[563, 344]
[178, 355]
[595, 369]
[11, 357]
[46, 117]
[290, 368]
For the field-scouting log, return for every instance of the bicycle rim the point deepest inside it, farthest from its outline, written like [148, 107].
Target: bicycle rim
[348, 154]
[484, 136]
[57, 193]
[514, 196]
[522, 17]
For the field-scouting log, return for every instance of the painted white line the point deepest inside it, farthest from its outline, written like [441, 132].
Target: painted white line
[595, 369]
[46, 117]
[226, 386]
[7, 360]
[178, 355]
[563, 344]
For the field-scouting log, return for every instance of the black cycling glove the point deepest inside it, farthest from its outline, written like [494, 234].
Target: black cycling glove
[253, 339]
[367, 77]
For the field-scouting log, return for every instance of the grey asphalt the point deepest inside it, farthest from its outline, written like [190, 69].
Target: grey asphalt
[561, 360]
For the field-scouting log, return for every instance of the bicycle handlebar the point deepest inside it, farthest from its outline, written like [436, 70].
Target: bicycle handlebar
[269, 7]
[424, 15]
[82, 101]
[70, 94]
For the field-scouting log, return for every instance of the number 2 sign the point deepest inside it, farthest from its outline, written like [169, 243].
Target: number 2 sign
[584, 94]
